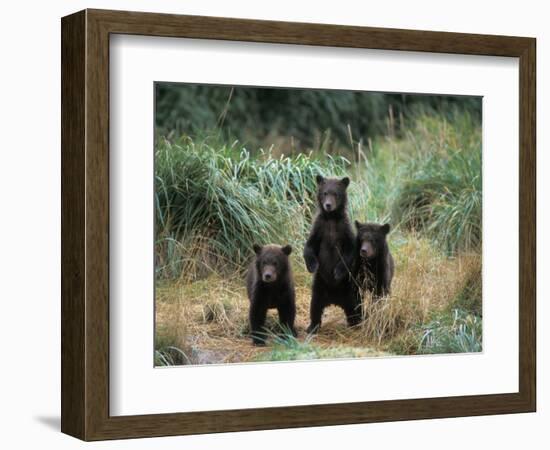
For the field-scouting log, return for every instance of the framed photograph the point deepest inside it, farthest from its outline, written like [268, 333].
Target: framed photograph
[273, 225]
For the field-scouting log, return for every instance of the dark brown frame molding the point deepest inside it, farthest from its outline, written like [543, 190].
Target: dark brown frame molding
[85, 224]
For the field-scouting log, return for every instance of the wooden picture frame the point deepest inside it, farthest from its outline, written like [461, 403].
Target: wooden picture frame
[85, 224]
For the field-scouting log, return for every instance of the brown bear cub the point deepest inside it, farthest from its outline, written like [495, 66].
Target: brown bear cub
[269, 284]
[375, 263]
[329, 253]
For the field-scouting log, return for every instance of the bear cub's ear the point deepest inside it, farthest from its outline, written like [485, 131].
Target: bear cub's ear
[320, 179]
[345, 181]
[287, 250]
[358, 224]
[385, 228]
[257, 249]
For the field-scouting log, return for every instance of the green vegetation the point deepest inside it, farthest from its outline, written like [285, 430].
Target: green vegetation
[213, 201]
[295, 117]
[440, 192]
[454, 332]
[215, 197]
[461, 335]
[291, 349]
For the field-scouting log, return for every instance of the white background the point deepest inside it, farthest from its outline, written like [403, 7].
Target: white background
[138, 388]
[30, 234]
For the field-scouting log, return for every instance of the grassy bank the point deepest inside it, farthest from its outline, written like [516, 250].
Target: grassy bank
[434, 308]
[213, 200]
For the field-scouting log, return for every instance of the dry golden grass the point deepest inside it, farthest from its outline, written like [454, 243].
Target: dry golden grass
[208, 319]
[425, 283]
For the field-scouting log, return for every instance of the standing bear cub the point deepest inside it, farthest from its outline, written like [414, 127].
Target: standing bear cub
[269, 284]
[375, 268]
[329, 253]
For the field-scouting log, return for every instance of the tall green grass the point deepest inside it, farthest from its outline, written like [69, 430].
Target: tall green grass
[440, 189]
[214, 200]
[428, 182]
[458, 332]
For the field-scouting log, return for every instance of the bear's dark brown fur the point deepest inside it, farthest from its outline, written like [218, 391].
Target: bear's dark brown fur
[329, 253]
[375, 266]
[269, 284]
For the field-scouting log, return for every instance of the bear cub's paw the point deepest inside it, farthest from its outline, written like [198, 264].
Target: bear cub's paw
[312, 264]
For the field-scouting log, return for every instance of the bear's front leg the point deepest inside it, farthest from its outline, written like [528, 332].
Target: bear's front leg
[311, 259]
[258, 314]
[287, 315]
[386, 285]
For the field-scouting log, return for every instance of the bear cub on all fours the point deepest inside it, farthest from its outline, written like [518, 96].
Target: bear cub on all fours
[375, 266]
[269, 284]
[329, 253]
